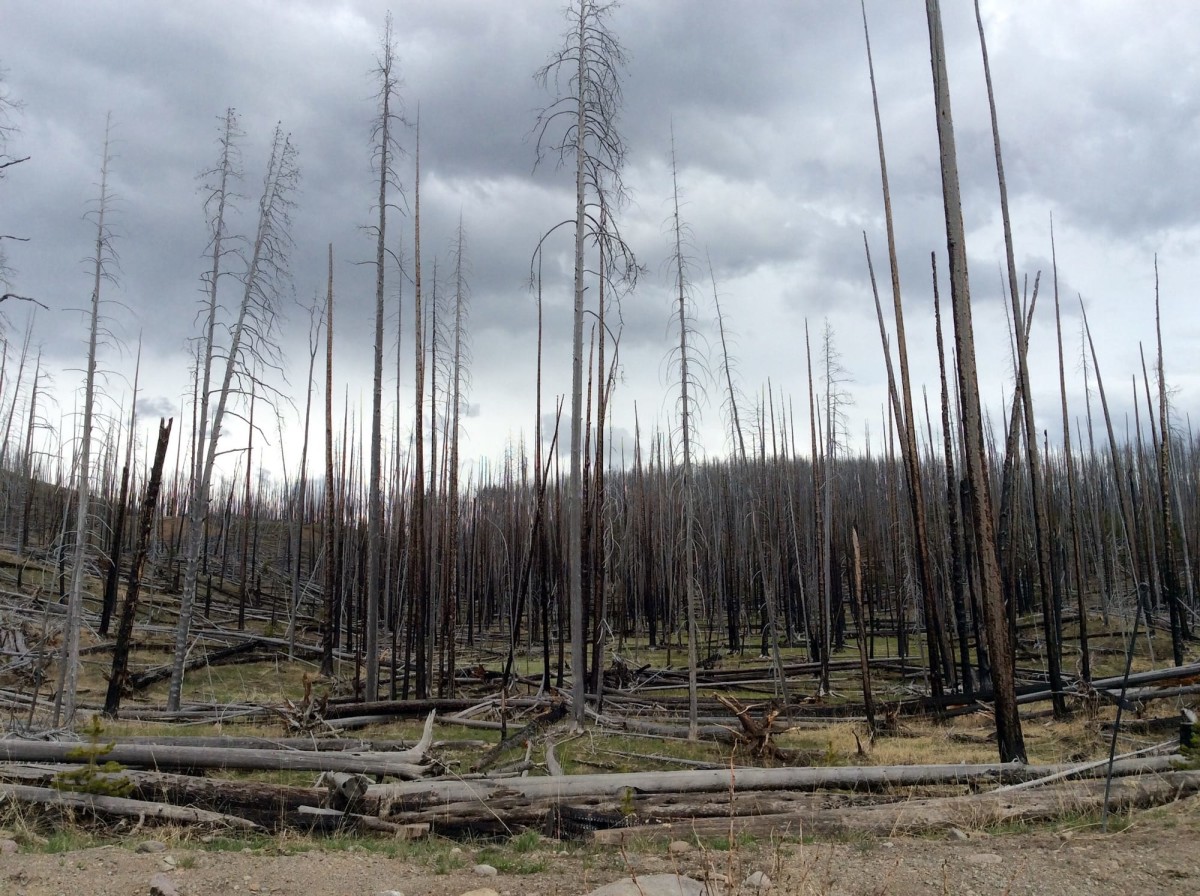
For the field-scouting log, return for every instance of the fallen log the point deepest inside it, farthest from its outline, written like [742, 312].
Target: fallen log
[322, 819]
[233, 653]
[575, 816]
[267, 805]
[186, 758]
[119, 807]
[226, 742]
[399, 798]
[922, 815]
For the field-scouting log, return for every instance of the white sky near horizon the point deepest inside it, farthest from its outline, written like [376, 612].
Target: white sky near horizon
[770, 107]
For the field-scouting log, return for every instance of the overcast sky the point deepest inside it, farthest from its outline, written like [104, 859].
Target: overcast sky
[778, 174]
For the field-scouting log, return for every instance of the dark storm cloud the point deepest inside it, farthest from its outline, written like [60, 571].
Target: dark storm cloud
[774, 136]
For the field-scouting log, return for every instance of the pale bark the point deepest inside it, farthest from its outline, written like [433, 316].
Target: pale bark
[384, 150]
[253, 319]
[68, 673]
[593, 59]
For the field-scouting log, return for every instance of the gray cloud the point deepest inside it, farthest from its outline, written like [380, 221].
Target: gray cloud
[778, 170]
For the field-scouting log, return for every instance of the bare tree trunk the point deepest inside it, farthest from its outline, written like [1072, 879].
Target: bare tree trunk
[68, 672]
[383, 154]
[298, 503]
[450, 598]
[116, 680]
[1085, 669]
[1170, 579]
[266, 265]
[330, 540]
[419, 575]
[1008, 722]
[594, 59]
[940, 661]
[686, 485]
[1050, 613]
[118, 534]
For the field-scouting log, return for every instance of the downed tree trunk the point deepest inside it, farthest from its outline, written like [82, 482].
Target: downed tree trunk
[183, 758]
[400, 798]
[306, 744]
[239, 652]
[574, 816]
[918, 815]
[118, 807]
[330, 820]
[271, 806]
[408, 764]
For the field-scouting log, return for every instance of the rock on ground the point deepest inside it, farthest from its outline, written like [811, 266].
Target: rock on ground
[654, 885]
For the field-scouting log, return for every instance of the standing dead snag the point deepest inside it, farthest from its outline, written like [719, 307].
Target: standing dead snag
[590, 63]
[328, 500]
[68, 673]
[1008, 722]
[686, 484]
[385, 149]
[1051, 612]
[940, 661]
[250, 332]
[116, 680]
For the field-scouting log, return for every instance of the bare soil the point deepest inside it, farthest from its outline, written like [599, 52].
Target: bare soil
[1157, 852]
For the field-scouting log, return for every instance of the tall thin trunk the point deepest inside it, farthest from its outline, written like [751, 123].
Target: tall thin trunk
[575, 484]
[450, 598]
[940, 663]
[1050, 612]
[1085, 660]
[118, 533]
[687, 487]
[1169, 576]
[298, 503]
[1008, 722]
[383, 156]
[68, 673]
[419, 591]
[329, 498]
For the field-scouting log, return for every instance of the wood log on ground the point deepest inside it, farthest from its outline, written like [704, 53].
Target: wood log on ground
[118, 807]
[309, 744]
[387, 800]
[323, 819]
[539, 723]
[214, 713]
[922, 815]
[240, 652]
[177, 758]
[574, 816]
[344, 789]
[265, 804]
[718, 733]
[397, 708]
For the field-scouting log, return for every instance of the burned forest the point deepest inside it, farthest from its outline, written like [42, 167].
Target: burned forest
[972, 612]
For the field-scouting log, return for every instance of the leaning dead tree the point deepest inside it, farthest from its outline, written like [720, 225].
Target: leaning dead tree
[121, 647]
[253, 321]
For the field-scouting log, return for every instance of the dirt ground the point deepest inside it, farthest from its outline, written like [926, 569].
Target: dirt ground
[1158, 852]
